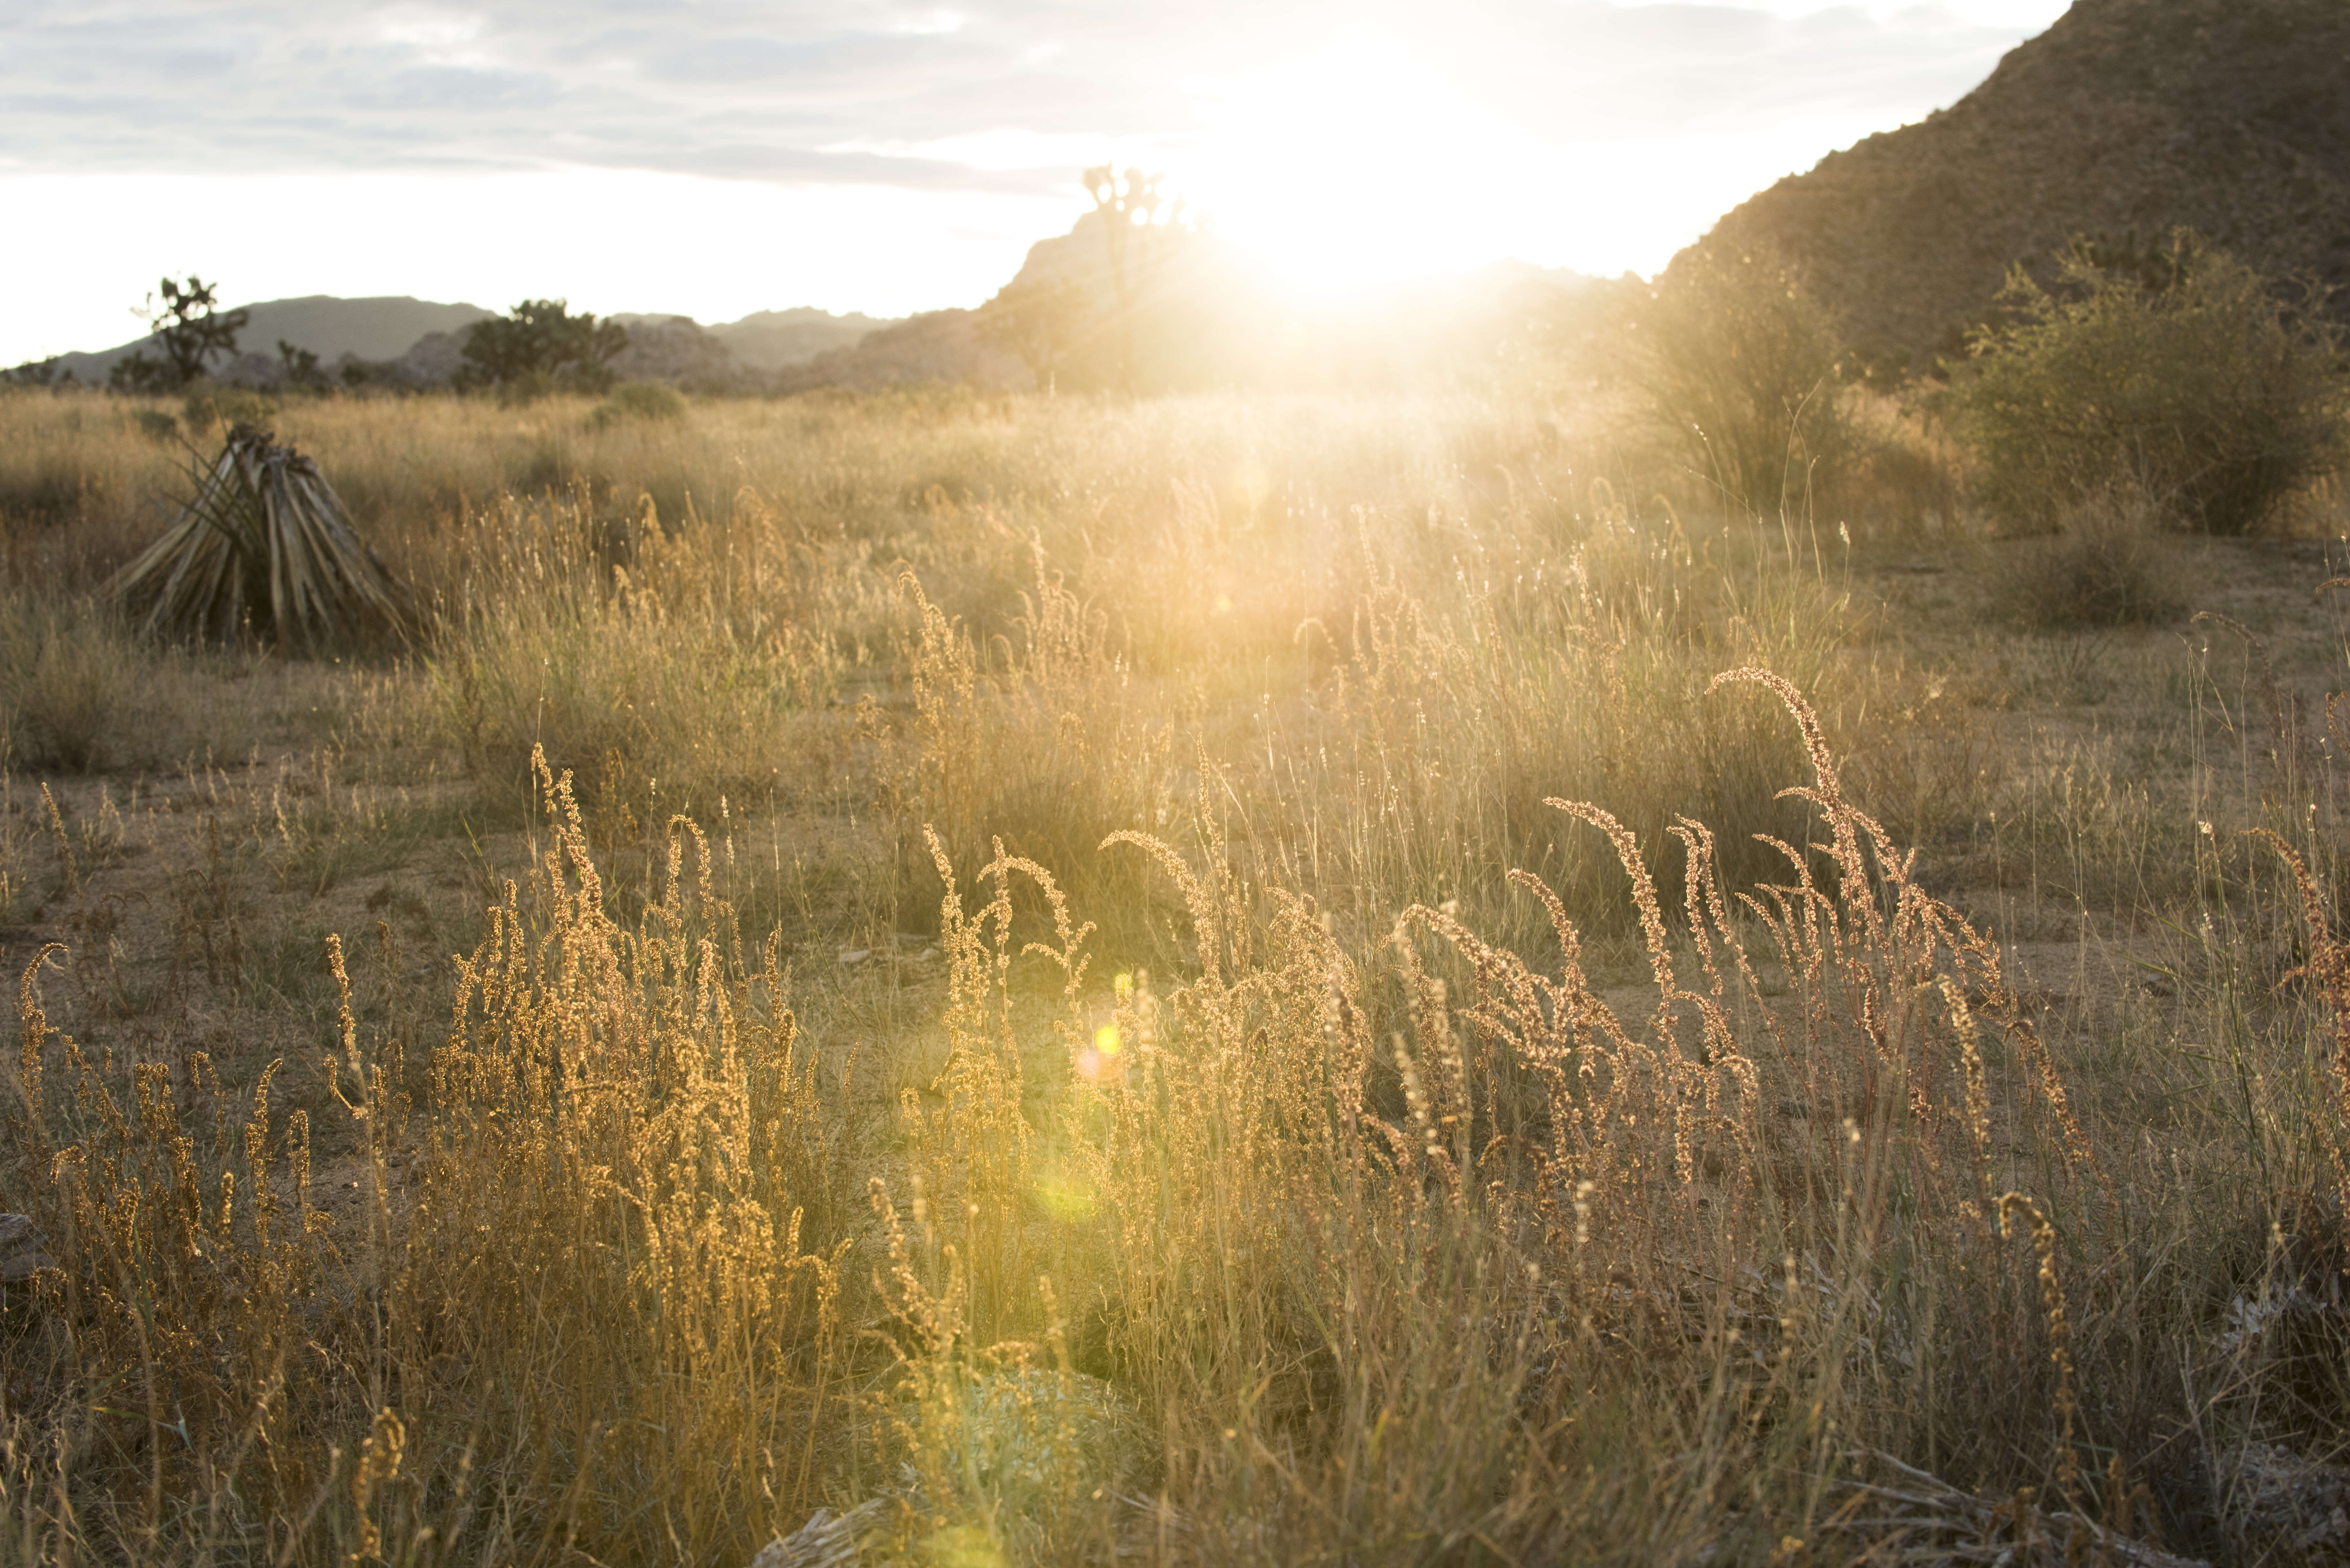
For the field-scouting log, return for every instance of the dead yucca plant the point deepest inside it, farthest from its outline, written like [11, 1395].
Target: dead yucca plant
[264, 548]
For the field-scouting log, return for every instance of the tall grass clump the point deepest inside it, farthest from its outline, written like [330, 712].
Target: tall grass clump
[69, 675]
[1399, 748]
[1741, 366]
[1046, 744]
[636, 653]
[1425, 1245]
[2205, 387]
[1452, 722]
[574, 1287]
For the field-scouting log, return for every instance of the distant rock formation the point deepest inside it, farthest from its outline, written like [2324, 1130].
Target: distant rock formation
[762, 352]
[778, 339]
[2231, 116]
[676, 350]
[431, 362]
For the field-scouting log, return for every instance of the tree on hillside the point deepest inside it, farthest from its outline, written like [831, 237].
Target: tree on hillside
[189, 329]
[1037, 320]
[541, 346]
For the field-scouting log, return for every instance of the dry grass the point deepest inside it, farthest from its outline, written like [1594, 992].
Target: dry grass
[1226, 1004]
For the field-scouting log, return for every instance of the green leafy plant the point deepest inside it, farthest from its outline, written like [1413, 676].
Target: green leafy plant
[2199, 382]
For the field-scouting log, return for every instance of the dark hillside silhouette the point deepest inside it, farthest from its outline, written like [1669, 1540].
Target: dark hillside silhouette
[2231, 116]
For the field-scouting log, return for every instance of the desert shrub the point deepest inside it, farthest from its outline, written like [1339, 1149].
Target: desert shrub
[638, 401]
[540, 347]
[1740, 368]
[2108, 564]
[622, 1166]
[2202, 385]
[1902, 474]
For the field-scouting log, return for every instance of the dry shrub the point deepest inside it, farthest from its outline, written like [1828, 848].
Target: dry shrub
[1903, 478]
[2108, 564]
[1462, 1305]
[654, 400]
[1043, 747]
[1322, 1249]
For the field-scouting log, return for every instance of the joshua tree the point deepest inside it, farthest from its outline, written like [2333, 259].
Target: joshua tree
[1128, 204]
[190, 329]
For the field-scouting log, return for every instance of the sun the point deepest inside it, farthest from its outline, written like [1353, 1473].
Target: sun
[1361, 163]
[1353, 165]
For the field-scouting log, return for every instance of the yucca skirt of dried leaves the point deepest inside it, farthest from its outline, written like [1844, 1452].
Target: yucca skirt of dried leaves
[264, 549]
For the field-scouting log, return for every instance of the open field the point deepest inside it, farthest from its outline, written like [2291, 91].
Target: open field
[524, 1096]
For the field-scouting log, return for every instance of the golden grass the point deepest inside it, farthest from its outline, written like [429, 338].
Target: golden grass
[1226, 1004]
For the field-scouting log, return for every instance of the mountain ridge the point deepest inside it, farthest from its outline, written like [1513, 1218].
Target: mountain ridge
[376, 327]
[421, 337]
[2230, 116]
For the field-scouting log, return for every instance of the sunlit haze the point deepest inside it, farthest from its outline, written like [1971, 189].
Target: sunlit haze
[898, 158]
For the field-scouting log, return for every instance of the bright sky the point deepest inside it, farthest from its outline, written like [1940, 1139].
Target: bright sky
[718, 157]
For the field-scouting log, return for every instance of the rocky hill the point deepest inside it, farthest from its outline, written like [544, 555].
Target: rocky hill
[936, 346]
[778, 339]
[736, 356]
[2229, 115]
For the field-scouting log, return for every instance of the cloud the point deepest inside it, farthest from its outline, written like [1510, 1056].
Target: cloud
[906, 93]
[896, 154]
